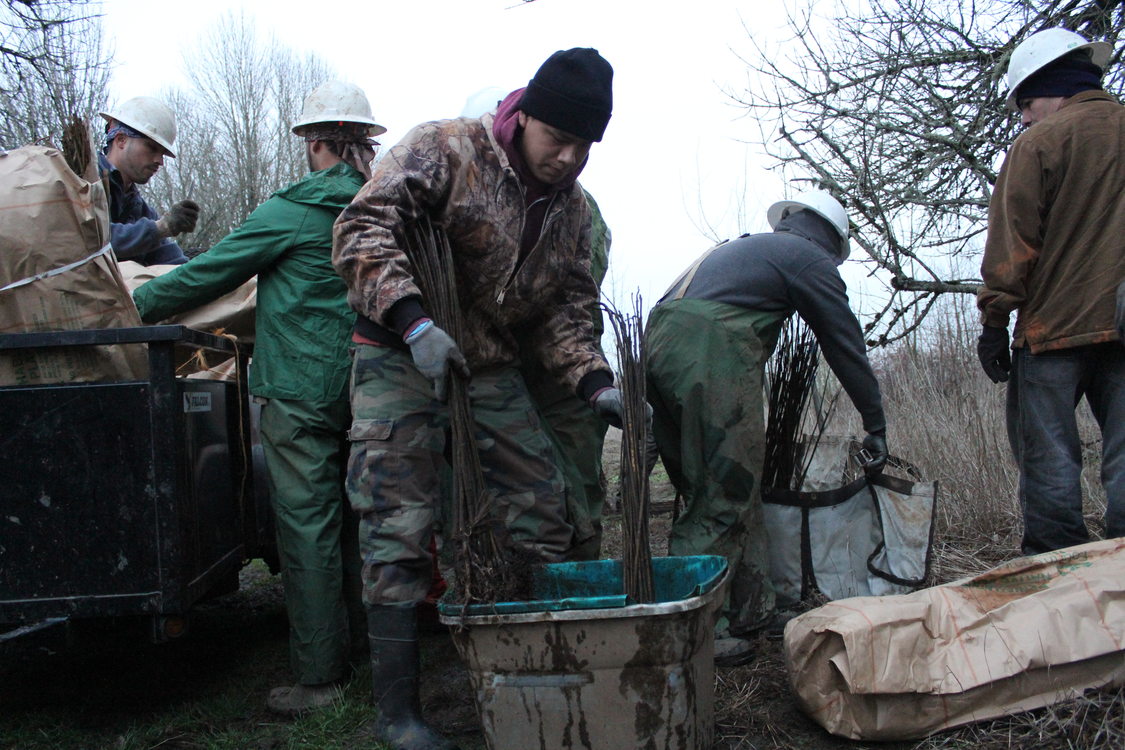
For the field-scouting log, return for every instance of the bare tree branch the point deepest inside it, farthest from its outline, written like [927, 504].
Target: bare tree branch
[53, 66]
[897, 107]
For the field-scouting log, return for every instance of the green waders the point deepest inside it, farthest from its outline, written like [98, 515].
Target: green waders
[317, 535]
[705, 364]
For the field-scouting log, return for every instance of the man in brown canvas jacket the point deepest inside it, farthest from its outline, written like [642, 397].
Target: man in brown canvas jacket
[504, 190]
[1056, 225]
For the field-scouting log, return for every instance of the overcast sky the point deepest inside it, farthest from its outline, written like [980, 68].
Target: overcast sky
[677, 157]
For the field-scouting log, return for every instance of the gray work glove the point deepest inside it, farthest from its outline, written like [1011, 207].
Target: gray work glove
[610, 406]
[875, 449]
[180, 218]
[994, 353]
[435, 352]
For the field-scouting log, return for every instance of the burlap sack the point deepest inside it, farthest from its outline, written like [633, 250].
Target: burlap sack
[58, 272]
[1035, 631]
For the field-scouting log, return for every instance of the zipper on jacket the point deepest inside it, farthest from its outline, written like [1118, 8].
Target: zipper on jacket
[548, 217]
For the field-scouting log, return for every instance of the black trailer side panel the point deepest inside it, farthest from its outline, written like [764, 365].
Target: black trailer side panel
[121, 498]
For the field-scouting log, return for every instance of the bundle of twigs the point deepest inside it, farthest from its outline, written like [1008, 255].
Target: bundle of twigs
[76, 147]
[791, 376]
[636, 555]
[485, 571]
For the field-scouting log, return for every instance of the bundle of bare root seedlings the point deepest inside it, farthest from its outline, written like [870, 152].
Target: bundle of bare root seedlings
[791, 379]
[487, 567]
[76, 148]
[636, 555]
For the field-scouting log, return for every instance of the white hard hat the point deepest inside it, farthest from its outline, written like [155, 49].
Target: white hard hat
[337, 101]
[148, 116]
[1044, 47]
[823, 205]
[483, 101]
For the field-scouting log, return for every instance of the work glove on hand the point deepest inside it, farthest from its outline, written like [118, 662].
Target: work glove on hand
[180, 218]
[994, 353]
[875, 444]
[609, 404]
[435, 352]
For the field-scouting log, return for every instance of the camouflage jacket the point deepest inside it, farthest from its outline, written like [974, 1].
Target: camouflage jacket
[455, 171]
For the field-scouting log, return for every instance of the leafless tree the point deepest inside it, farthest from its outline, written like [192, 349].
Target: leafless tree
[897, 107]
[53, 65]
[234, 147]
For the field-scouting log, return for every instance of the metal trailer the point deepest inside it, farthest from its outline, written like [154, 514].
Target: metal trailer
[126, 498]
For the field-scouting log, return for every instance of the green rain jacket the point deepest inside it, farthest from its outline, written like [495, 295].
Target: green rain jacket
[303, 323]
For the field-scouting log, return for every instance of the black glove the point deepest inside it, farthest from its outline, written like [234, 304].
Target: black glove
[875, 445]
[994, 353]
[180, 218]
[434, 352]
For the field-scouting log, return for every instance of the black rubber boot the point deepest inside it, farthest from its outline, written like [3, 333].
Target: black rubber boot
[393, 631]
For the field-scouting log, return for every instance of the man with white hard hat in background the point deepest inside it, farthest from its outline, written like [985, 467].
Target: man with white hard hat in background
[138, 135]
[1054, 254]
[300, 375]
[708, 339]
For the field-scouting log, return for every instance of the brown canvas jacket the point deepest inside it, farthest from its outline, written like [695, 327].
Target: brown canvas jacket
[1056, 228]
[455, 171]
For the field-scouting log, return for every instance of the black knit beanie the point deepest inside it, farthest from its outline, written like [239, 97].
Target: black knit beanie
[1070, 74]
[572, 91]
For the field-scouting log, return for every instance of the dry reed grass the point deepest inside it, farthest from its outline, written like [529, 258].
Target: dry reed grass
[945, 416]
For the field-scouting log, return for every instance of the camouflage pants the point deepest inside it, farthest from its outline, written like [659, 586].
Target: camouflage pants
[398, 437]
[704, 376]
[578, 435]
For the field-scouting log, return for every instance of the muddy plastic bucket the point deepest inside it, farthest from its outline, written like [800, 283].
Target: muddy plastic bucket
[581, 667]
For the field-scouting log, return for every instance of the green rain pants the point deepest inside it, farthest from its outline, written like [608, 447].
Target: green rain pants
[306, 452]
[704, 377]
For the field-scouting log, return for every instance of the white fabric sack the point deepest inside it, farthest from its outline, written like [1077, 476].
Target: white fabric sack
[871, 536]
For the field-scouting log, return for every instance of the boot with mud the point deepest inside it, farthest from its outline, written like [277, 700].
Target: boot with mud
[393, 630]
[300, 699]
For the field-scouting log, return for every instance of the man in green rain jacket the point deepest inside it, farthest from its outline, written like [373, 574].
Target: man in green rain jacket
[300, 374]
[707, 342]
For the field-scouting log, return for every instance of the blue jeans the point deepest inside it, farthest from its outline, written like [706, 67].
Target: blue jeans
[1043, 393]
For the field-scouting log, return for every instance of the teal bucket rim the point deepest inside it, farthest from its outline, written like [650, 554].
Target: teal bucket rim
[580, 603]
